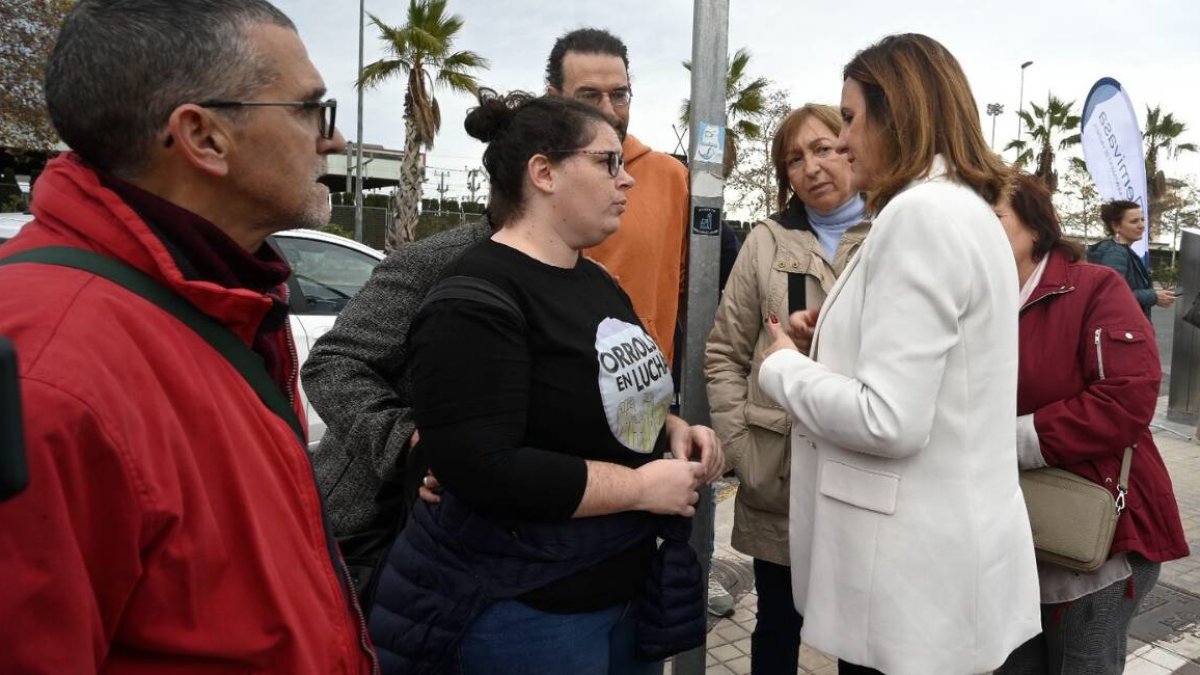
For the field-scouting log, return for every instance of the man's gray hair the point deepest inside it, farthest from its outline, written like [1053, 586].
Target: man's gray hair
[120, 67]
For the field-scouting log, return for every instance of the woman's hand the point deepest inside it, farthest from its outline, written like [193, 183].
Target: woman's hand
[696, 442]
[801, 326]
[430, 490]
[1165, 298]
[668, 487]
[780, 339]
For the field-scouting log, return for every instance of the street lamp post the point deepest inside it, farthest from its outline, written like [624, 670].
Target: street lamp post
[995, 110]
[358, 187]
[1021, 104]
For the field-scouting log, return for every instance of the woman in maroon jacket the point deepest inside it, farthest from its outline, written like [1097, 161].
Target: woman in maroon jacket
[1087, 388]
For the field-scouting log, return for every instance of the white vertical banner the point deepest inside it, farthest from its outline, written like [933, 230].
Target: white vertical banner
[1112, 148]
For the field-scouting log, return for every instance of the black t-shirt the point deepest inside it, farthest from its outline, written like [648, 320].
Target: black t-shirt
[508, 414]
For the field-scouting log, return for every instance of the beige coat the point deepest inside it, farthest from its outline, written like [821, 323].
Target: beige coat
[752, 428]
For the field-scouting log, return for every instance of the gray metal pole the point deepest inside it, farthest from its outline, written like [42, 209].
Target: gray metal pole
[358, 184]
[1021, 100]
[710, 27]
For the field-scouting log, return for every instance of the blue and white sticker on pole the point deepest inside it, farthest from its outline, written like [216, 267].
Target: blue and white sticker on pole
[710, 144]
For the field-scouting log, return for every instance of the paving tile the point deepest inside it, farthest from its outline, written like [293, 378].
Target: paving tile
[743, 645]
[725, 652]
[1188, 668]
[745, 613]
[1164, 658]
[732, 632]
[718, 670]
[739, 666]
[1140, 666]
[812, 659]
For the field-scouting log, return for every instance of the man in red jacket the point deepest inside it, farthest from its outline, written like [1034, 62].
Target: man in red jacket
[171, 523]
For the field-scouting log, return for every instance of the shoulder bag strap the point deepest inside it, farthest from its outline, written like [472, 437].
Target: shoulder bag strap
[473, 288]
[241, 357]
[1123, 482]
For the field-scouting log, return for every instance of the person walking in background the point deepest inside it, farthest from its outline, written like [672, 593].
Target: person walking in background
[1126, 224]
[910, 544]
[171, 523]
[1086, 390]
[542, 404]
[788, 264]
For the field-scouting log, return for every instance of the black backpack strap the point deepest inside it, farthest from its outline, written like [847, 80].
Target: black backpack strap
[476, 289]
[241, 357]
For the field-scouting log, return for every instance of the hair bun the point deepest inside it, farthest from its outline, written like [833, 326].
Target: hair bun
[492, 117]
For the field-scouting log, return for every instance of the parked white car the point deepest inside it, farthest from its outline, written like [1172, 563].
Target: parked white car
[327, 270]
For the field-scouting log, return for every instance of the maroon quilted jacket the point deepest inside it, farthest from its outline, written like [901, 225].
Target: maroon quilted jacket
[1090, 374]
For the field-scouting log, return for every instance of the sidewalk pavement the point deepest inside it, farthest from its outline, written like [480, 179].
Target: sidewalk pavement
[1164, 638]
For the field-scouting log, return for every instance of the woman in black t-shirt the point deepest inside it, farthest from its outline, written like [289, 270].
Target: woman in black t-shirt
[555, 410]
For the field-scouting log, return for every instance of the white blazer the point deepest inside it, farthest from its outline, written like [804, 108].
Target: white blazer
[910, 544]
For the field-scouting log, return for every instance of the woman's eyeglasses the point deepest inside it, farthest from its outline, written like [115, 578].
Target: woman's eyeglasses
[614, 160]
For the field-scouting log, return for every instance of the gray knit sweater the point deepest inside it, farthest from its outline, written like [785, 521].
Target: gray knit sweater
[357, 379]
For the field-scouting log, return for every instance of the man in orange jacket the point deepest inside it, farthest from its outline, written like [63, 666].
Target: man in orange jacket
[648, 253]
[171, 523]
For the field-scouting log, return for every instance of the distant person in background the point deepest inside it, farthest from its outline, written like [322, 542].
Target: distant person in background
[788, 264]
[1126, 224]
[1086, 390]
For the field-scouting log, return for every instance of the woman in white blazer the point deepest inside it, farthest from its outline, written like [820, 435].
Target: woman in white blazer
[910, 545]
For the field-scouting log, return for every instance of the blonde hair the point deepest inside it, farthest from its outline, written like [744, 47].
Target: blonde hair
[918, 98]
[825, 114]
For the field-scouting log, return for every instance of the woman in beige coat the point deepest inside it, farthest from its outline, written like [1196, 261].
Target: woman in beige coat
[788, 263]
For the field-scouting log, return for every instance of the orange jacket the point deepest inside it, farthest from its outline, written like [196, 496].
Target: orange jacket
[648, 253]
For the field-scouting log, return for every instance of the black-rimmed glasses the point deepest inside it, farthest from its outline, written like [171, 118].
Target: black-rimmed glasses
[614, 160]
[328, 109]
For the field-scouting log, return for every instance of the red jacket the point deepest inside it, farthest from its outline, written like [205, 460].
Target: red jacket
[172, 523]
[1090, 374]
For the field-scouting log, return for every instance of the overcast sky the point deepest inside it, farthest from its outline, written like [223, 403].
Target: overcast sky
[1151, 47]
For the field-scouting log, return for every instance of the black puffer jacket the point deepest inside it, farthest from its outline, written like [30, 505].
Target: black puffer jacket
[449, 564]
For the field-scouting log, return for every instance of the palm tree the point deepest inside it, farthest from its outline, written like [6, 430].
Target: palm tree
[422, 50]
[1044, 127]
[1162, 132]
[745, 101]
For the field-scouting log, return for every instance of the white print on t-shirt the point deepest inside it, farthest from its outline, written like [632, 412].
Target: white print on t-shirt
[635, 383]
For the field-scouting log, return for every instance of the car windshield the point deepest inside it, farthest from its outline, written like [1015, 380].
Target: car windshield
[329, 274]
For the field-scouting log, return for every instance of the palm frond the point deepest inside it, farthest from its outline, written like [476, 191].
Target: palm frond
[1182, 148]
[457, 81]
[380, 71]
[463, 61]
